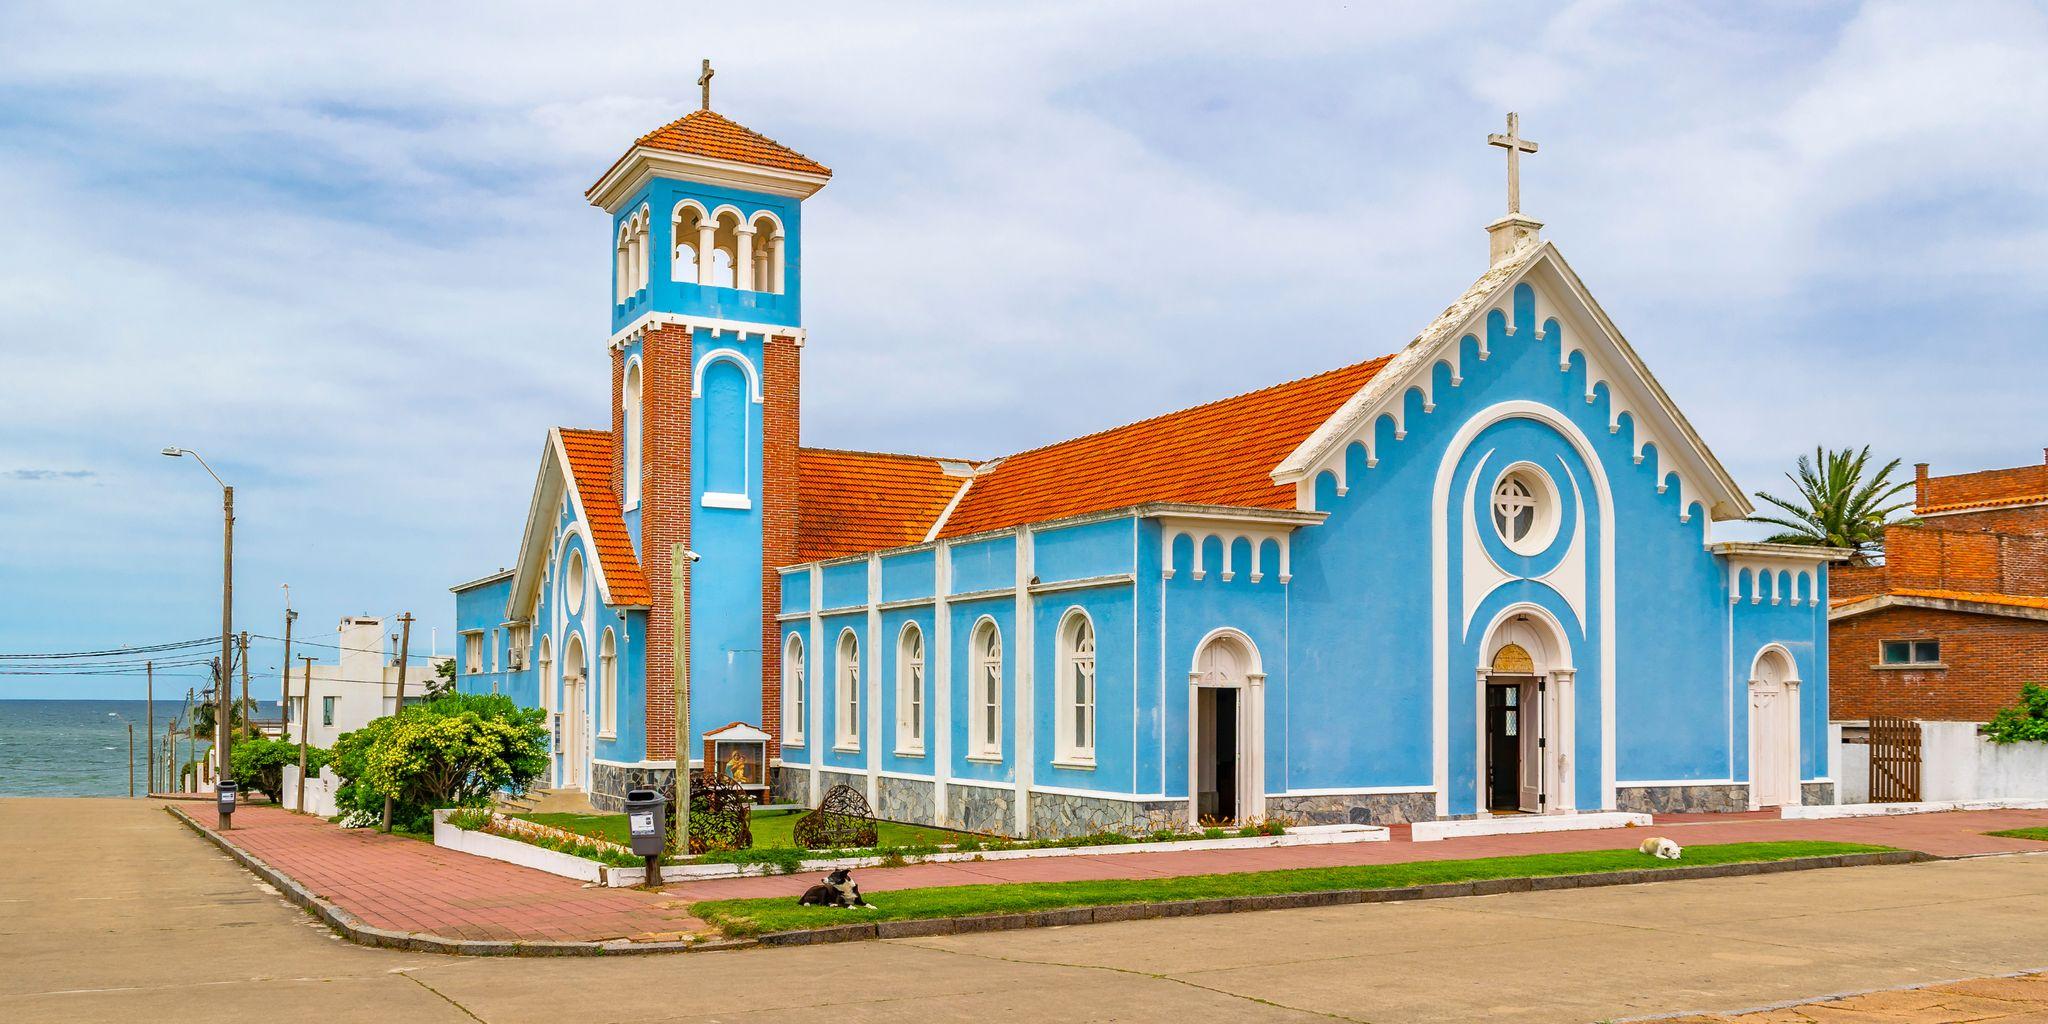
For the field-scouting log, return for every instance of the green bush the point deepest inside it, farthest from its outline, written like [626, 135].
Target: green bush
[259, 763]
[2027, 720]
[455, 750]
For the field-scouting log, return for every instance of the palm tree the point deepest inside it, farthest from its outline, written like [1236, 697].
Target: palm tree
[1841, 504]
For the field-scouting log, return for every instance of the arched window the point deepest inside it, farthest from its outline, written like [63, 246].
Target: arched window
[847, 707]
[1076, 722]
[793, 689]
[630, 400]
[767, 253]
[987, 682]
[547, 679]
[721, 275]
[726, 438]
[622, 266]
[608, 685]
[910, 677]
[572, 582]
[1525, 509]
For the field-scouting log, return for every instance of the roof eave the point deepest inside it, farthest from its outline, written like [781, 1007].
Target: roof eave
[641, 163]
[1880, 602]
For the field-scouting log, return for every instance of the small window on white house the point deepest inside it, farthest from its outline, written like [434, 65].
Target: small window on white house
[910, 676]
[608, 685]
[1910, 652]
[327, 711]
[472, 653]
[987, 679]
[1076, 726]
[847, 671]
[793, 688]
[494, 650]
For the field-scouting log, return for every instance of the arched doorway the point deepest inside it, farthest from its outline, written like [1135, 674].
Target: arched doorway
[1773, 729]
[575, 692]
[1524, 704]
[1226, 730]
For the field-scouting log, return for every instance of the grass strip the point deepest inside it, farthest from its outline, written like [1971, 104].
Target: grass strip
[756, 916]
[2040, 834]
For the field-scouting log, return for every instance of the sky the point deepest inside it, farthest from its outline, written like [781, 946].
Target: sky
[342, 250]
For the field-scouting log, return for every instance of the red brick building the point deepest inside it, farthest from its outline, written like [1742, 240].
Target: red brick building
[1956, 619]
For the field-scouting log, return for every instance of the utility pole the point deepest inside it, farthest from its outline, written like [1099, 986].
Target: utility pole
[248, 712]
[680, 558]
[405, 642]
[131, 760]
[224, 737]
[170, 754]
[191, 745]
[305, 723]
[149, 727]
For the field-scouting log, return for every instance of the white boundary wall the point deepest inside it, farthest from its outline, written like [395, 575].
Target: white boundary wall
[319, 791]
[1955, 764]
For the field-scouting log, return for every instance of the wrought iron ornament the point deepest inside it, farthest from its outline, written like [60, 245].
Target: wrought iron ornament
[719, 813]
[842, 820]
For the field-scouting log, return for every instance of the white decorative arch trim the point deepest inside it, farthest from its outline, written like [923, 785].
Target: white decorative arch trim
[1545, 640]
[730, 355]
[1254, 672]
[1440, 612]
[1775, 650]
[718, 214]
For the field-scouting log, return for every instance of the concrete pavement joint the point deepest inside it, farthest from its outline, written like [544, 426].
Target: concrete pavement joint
[466, 1011]
[1805, 1000]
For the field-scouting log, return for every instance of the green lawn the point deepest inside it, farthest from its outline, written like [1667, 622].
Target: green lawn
[2022, 833]
[754, 916]
[771, 829]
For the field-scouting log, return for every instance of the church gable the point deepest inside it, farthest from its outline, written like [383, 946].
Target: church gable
[1460, 340]
[575, 476]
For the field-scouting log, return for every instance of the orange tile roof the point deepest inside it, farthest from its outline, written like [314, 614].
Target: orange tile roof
[1977, 596]
[1990, 488]
[590, 462]
[708, 134]
[1222, 453]
[866, 501]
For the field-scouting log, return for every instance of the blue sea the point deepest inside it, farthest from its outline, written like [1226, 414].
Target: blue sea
[77, 747]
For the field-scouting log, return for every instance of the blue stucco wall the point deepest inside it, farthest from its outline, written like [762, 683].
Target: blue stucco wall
[665, 295]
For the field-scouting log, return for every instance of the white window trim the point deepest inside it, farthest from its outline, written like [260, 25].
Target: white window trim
[575, 582]
[794, 665]
[472, 660]
[635, 416]
[1547, 517]
[985, 695]
[910, 741]
[1066, 753]
[608, 686]
[846, 702]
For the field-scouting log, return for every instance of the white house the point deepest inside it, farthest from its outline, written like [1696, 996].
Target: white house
[360, 685]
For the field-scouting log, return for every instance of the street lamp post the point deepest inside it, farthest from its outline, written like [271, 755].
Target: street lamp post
[223, 736]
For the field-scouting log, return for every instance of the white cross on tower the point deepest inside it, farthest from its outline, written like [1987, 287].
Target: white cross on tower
[704, 82]
[1516, 146]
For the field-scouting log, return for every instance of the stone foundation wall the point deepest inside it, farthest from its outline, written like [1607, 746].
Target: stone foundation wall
[1816, 793]
[980, 809]
[907, 800]
[827, 778]
[1719, 798]
[609, 783]
[1354, 808]
[1058, 815]
[790, 784]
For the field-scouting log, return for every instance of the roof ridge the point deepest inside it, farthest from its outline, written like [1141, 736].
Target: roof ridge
[1204, 405]
[708, 115]
[886, 455]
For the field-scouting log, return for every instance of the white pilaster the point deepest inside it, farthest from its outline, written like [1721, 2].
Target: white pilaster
[871, 702]
[743, 258]
[1027, 751]
[939, 669]
[816, 700]
[775, 244]
[707, 235]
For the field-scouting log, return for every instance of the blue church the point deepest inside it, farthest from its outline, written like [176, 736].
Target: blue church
[1478, 576]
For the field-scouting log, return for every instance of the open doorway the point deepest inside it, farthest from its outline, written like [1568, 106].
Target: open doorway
[1514, 744]
[1216, 754]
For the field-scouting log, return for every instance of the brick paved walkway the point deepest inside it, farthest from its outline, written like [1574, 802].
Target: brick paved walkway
[2010, 1000]
[412, 886]
[1951, 834]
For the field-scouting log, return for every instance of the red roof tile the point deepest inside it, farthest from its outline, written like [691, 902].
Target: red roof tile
[1222, 453]
[866, 501]
[590, 462]
[708, 134]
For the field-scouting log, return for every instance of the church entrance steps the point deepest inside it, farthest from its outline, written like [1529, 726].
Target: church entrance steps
[1817, 812]
[1525, 824]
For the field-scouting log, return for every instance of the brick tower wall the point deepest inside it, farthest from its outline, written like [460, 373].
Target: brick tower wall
[781, 376]
[664, 513]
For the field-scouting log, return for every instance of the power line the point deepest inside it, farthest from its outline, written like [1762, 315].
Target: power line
[112, 652]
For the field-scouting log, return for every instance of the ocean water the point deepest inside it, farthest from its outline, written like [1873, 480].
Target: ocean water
[77, 747]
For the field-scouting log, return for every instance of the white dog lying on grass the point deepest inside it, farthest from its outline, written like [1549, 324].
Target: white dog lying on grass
[1660, 847]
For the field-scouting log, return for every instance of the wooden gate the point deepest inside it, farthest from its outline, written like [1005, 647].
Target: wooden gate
[1894, 760]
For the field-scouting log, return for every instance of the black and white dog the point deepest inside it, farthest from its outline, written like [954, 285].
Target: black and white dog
[837, 890]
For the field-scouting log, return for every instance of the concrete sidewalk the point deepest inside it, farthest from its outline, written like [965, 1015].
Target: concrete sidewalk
[1952, 834]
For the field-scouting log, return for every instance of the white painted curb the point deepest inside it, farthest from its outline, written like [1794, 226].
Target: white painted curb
[1822, 811]
[512, 851]
[1522, 824]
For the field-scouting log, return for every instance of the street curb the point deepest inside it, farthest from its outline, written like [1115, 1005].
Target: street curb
[1294, 901]
[352, 928]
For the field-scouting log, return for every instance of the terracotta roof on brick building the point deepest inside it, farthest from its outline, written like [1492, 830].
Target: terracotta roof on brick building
[709, 134]
[590, 462]
[866, 501]
[1991, 488]
[1222, 453]
[1970, 596]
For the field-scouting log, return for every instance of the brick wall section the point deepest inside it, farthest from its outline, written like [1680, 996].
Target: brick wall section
[618, 474]
[665, 514]
[1855, 581]
[781, 377]
[2026, 519]
[1987, 657]
[1925, 557]
[1985, 485]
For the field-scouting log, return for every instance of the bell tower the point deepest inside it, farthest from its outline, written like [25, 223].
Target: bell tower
[706, 340]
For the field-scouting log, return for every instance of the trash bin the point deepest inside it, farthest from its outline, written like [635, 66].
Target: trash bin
[645, 811]
[225, 792]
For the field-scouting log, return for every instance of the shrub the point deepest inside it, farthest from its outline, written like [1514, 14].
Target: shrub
[455, 750]
[2027, 720]
[258, 764]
